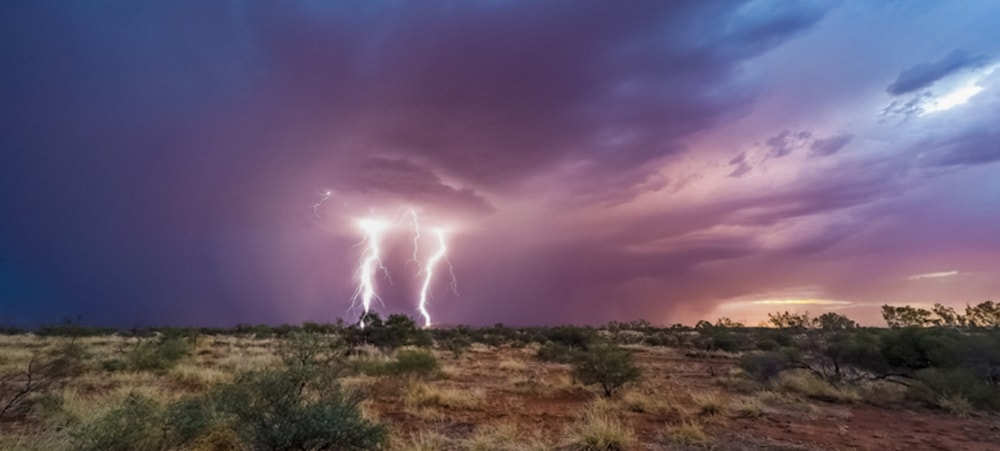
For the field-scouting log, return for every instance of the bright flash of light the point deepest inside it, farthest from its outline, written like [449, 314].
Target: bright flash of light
[440, 255]
[324, 196]
[370, 263]
[412, 215]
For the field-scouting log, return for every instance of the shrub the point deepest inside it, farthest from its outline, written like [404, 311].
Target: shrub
[417, 363]
[555, 352]
[311, 349]
[280, 410]
[953, 384]
[133, 424]
[764, 366]
[607, 365]
[157, 355]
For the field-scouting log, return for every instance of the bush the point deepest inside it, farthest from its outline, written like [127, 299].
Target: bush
[134, 424]
[413, 363]
[572, 337]
[957, 383]
[157, 355]
[311, 349]
[764, 366]
[555, 352]
[280, 410]
[607, 365]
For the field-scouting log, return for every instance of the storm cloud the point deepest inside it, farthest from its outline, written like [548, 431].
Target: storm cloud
[191, 163]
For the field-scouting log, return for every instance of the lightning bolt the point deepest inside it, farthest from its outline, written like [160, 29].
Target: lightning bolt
[370, 263]
[416, 237]
[440, 255]
[325, 195]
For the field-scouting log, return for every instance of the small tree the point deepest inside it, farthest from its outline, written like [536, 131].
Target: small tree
[605, 364]
[906, 316]
[834, 321]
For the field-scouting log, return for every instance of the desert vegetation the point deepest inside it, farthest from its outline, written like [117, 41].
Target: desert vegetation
[931, 378]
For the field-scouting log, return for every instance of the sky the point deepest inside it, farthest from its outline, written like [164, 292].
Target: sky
[209, 163]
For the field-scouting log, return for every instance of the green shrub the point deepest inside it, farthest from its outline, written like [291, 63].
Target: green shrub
[312, 349]
[133, 424]
[555, 352]
[188, 419]
[113, 365]
[956, 383]
[157, 355]
[280, 410]
[605, 364]
[764, 366]
[413, 363]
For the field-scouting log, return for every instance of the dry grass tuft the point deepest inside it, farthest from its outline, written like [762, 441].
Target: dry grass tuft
[425, 441]
[956, 405]
[646, 401]
[747, 407]
[599, 429]
[422, 394]
[708, 404]
[811, 386]
[506, 436]
[686, 434]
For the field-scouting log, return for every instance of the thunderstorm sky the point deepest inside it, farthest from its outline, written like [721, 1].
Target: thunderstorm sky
[593, 161]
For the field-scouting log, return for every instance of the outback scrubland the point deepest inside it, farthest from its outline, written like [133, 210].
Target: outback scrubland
[930, 380]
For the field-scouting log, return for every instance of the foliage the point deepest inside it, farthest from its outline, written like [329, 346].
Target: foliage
[281, 410]
[786, 320]
[555, 352]
[418, 363]
[572, 337]
[157, 355]
[605, 364]
[394, 332]
[307, 349]
[133, 424]
[831, 321]
[765, 366]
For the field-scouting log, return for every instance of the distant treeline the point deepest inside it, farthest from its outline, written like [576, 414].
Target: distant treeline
[980, 316]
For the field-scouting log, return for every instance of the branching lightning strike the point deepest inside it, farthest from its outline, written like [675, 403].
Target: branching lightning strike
[324, 195]
[440, 255]
[370, 262]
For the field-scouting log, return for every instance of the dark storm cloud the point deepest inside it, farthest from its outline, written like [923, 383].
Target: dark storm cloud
[786, 142]
[925, 74]
[828, 146]
[494, 91]
[160, 160]
[402, 180]
[974, 147]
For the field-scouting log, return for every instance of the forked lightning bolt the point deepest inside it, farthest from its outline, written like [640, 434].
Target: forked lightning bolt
[370, 263]
[440, 255]
[416, 237]
[325, 195]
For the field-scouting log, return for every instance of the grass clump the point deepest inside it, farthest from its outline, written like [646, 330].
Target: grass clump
[686, 434]
[708, 404]
[747, 407]
[421, 394]
[811, 386]
[598, 430]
